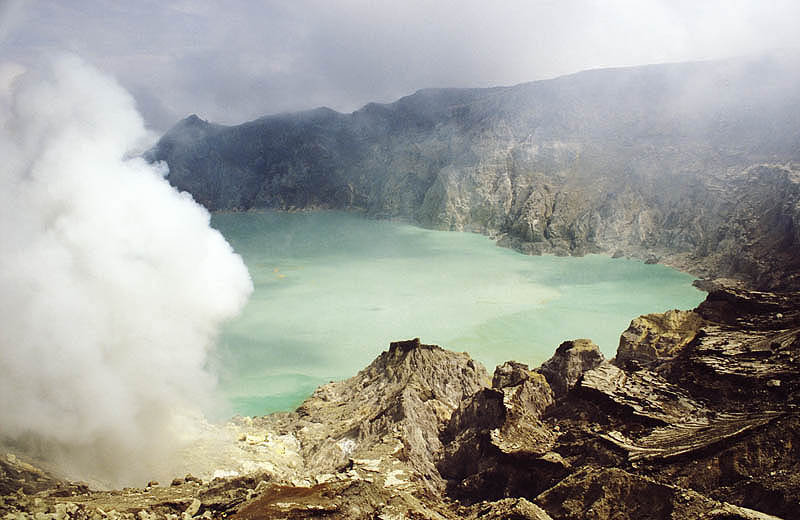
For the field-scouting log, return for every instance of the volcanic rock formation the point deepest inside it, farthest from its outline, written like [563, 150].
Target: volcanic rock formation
[699, 419]
[692, 164]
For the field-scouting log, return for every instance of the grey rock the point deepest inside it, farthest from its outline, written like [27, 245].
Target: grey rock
[510, 373]
[494, 429]
[392, 410]
[568, 364]
[627, 161]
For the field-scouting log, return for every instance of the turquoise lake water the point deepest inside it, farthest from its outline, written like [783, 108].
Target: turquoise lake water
[333, 289]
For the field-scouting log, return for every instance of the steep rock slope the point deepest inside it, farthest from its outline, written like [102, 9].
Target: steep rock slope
[694, 162]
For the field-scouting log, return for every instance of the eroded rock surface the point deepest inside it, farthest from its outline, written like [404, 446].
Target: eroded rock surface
[707, 428]
[601, 493]
[492, 430]
[626, 161]
[571, 360]
[655, 336]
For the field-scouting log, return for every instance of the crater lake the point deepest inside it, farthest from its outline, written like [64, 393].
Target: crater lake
[332, 289]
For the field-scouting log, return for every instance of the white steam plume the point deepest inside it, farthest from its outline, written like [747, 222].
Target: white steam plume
[112, 284]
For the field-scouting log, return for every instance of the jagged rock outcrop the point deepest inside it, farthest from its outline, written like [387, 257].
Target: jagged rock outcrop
[640, 161]
[744, 370]
[655, 336]
[721, 410]
[508, 509]
[392, 411]
[17, 475]
[571, 360]
[705, 427]
[492, 430]
[710, 429]
[354, 449]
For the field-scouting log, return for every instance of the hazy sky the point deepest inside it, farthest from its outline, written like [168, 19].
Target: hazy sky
[234, 60]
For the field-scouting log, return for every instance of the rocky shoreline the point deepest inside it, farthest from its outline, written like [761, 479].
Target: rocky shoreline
[627, 162]
[696, 417]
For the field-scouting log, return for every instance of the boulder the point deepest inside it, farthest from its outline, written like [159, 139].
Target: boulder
[571, 360]
[655, 336]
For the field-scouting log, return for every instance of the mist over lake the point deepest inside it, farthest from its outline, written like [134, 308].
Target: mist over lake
[332, 290]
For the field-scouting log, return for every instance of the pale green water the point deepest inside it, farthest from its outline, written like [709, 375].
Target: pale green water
[333, 289]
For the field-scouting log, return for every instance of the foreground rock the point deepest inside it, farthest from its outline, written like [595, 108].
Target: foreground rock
[571, 360]
[654, 337]
[696, 417]
[495, 428]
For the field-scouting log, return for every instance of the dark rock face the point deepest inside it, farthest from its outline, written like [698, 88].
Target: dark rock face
[16, 475]
[508, 509]
[697, 419]
[492, 430]
[715, 415]
[601, 493]
[641, 161]
[724, 365]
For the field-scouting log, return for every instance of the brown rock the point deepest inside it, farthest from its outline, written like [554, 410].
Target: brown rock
[614, 493]
[401, 401]
[708, 431]
[495, 429]
[655, 336]
[571, 360]
[509, 509]
[510, 373]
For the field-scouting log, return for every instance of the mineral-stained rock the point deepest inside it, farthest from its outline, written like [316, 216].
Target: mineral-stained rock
[683, 437]
[345, 500]
[749, 341]
[759, 469]
[643, 394]
[389, 412]
[748, 310]
[523, 390]
[711, 403]
[18, 475]
[571, 360]
[655, 336]
[727, 366]
[510, 373]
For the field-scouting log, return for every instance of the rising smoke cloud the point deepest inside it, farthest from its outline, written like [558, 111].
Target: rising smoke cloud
[112, 284]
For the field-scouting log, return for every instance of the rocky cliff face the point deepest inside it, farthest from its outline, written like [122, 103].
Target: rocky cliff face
[695, 164]
[696, 417]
